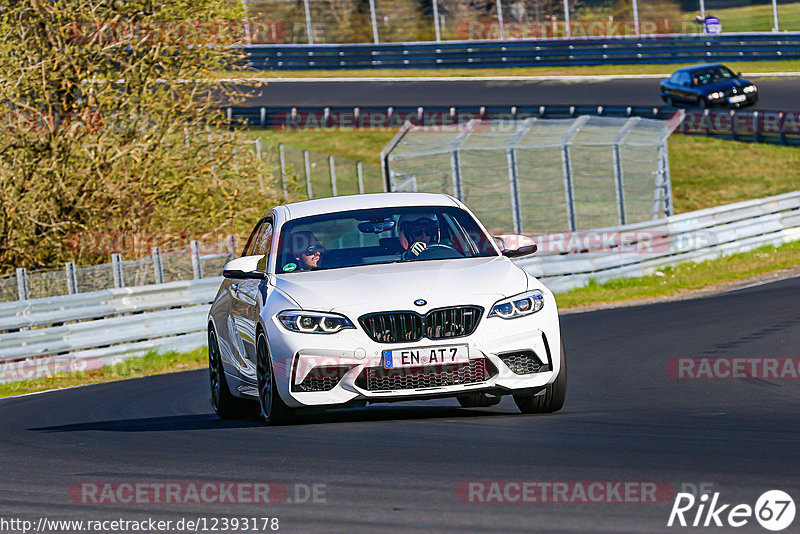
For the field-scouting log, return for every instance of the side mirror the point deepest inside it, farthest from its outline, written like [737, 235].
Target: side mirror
[245, 268]
[686, 84]
[738, 74]
[514, 246]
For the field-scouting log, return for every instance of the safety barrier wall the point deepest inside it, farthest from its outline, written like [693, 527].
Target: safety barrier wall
[42, 336]
[761, 126]
[528, 53]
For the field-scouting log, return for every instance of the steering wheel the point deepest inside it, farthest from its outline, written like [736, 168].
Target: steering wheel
[439, 252]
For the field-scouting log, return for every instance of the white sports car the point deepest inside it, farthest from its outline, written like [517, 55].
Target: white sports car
[385, 297]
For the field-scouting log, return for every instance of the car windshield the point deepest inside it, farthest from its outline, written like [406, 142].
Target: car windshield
[711, 75]
[381, 235]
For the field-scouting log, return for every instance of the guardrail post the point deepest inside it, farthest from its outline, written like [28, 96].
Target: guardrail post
[282, 157]
[72, 279]
[569, 190]
[263, 117]
[231, 240]
[373, 19]
[513, 183]
[663, 188]
[258, 148]
[618, 184]
[332, 168]
[437, 30]
[308, 174]
[158, 266]
[229, 116]
[360, 174]
[197, 266]
[22, 283]
[455, 170]
[756, 130]
[566, 18]
[116, 267]
[500, 20]
[309, 33]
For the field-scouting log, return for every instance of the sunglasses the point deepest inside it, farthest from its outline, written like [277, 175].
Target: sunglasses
[313, 249]
[428, 232]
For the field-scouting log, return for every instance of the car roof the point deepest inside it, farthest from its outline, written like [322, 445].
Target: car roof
[691, 68]
[319, 206]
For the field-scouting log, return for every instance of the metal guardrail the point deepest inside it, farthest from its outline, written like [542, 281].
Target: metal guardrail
[760, 126]
[528, 53]
[41, 336]
[639, 249]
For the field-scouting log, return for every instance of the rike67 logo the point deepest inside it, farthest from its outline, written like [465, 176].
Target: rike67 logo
[774, 510]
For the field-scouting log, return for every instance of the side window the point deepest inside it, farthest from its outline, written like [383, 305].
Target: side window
[260, 239]
[263, 239]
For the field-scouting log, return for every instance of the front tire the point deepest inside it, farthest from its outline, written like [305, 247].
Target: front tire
[273, 409]
[225, 404]
[554, 394]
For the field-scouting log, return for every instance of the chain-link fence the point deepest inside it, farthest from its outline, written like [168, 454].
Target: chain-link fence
[365, 21]
[185, 263]
[306, 174]
[541, 175]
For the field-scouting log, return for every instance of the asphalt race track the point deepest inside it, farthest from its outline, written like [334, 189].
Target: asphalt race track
[398, 466]
[781, 94]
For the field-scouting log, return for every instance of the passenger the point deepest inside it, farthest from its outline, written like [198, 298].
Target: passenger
[306, 250]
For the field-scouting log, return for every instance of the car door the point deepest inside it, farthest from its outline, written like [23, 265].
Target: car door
[246, 300]
[683, 92]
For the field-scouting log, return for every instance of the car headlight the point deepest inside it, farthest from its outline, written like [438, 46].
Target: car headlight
[750, 89]
[309, 322]
[716, 96]
[518, 306]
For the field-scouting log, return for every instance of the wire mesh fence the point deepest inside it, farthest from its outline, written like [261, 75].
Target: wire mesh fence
[541, 175]
[169, 266]
[362, 21]
[306, 174]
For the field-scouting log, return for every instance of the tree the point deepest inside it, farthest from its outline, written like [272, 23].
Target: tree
[111, 125]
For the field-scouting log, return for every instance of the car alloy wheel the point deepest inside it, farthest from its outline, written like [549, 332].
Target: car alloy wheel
[224, 403]
[273, 409]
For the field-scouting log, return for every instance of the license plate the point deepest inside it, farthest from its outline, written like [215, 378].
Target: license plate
[736, 99]
[416, 357]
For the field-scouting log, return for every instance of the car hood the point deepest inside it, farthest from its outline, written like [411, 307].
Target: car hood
[724, 85]
[396, 286]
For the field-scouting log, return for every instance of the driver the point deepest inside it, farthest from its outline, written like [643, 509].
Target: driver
[418, 234]
[306, 250]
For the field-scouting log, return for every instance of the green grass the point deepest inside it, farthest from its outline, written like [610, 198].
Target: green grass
[686, 277]
[710, 172]
[600, 70]
[757, 18]
[150, 364]
[352, 144]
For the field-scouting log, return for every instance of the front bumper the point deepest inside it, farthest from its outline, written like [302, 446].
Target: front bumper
[347, 367]
[751, 99]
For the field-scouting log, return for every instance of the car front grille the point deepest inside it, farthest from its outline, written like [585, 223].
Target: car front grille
[321, 379]
[408, 326]
[524, 362]
[380, 379]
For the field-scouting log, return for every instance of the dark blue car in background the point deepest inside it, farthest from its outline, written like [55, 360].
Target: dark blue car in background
[708, 85]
